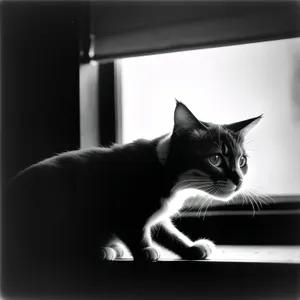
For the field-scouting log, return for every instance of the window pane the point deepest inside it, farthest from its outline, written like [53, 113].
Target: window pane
[224, 85]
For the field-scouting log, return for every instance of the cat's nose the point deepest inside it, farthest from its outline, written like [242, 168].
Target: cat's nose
[238, 184]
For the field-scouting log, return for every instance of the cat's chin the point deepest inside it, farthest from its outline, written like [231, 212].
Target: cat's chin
[224, 196]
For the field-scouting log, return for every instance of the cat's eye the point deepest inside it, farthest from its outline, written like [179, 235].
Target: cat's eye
[215, 160]
[242, 161]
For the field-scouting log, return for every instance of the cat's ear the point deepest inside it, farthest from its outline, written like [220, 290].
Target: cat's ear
[243, 127]
[184, 118]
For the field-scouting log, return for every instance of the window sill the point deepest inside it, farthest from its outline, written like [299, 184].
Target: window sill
[275, 224]
[235, 272]
[241, 254]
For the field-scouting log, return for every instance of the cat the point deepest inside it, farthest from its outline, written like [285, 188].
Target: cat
[77, 205]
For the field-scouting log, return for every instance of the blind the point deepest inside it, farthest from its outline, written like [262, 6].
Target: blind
[124, 29]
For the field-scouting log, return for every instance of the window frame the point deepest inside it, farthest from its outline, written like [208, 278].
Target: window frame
[282, 215]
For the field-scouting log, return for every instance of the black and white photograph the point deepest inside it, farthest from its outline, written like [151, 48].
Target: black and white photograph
[150, 149]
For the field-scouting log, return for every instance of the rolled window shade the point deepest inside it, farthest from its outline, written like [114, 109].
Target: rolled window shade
[124, 29]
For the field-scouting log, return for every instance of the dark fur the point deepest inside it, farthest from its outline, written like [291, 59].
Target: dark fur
[65, 208]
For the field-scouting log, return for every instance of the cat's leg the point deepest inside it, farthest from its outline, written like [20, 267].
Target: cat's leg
[112, 250]
[106, 246]
[171, 238]
[118, 247]
[140, 244]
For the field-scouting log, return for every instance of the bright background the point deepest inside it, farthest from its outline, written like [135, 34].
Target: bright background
[223, 85]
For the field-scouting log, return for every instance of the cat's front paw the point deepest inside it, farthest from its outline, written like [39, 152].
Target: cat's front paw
[201, 249]
[107, 253]
[119, 249]
[148, 254]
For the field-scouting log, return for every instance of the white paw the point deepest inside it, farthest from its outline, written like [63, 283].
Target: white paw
[207, 246]
[107, 253]
[119, 249]
[148, 254]
[200, 249]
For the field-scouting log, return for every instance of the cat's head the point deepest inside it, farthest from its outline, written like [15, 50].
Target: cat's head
[206, 156]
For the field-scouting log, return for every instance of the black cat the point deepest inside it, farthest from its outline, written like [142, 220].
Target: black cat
[77, 205]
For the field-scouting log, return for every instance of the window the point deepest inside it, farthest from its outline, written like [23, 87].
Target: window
[224, 85]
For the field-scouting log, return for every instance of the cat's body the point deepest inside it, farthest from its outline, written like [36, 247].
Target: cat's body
[86, 196]
[77, 202]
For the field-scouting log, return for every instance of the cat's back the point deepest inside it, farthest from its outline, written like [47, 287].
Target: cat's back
[50, 204]
[56, 183]
[62, 166]
[87, 168]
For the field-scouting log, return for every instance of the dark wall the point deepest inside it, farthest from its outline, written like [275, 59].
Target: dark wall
[40, 82]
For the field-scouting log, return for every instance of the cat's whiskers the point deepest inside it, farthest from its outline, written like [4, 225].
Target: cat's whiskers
[235, 195]
[187, 185]
[207, 197]
[193, 185]
[190, 207]
[207, 208]
[252, 203]
[194, 180]
[240, 194]
[258, 204]
[204, 199]
[221, 185]
[243, 197]
[214, 191]
[189, 182]
[261, 194]
[209, 202]
[243, 193]
[259, 199]
[256, 201]
[185, 180]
